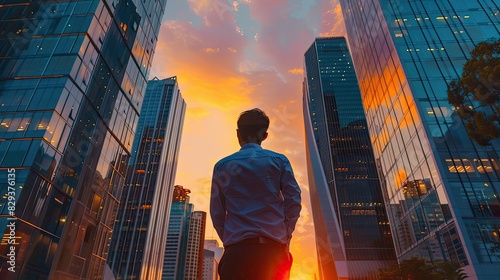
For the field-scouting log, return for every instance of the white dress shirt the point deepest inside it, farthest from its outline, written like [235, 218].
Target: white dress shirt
[254, 193]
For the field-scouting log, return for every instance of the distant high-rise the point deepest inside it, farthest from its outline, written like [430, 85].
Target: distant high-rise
[194, 254]
[72, 80]
[213, 245]
[352, 229]
[212, 255]
[140, 233]
[442, 190]
[174, 262]
[210, 266]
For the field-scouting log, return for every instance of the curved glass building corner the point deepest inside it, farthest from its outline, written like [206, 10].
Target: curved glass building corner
[352, 228]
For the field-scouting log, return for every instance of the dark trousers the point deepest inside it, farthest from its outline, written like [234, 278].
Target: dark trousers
[255, 261]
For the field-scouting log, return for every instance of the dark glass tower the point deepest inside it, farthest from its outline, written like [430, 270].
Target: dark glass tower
[353, 232]
[140, 233]
[72, 79]
[442, 190]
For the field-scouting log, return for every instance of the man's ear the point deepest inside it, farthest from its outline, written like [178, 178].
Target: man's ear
[238, 135]
[264, 136]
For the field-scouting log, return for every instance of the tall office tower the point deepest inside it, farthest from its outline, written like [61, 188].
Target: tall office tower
[210, 266]
[442, 189]
[140, 233]
[196, 238]
[352, 229]
[213, 245]
[174, 262]
[212, 262]
[72, 78]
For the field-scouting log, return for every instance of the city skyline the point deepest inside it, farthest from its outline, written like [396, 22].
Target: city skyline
[230, 56]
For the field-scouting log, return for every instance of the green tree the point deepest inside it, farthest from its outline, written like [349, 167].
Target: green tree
[390, 273]
[476, 96]
[449, 271]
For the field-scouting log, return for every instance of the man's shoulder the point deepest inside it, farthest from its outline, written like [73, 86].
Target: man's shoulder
[243, 154]
[226, 159]
[274, 154]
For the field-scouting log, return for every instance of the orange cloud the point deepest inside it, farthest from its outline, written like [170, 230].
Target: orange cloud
[207, 8]
[206, 64]
[197, 112]
[296, 71]
[201, 7]
[212, 50]
[333, 20]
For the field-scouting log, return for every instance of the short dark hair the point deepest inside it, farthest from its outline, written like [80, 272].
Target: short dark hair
[253, 124]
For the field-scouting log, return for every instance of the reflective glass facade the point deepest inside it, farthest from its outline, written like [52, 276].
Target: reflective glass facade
[72, 77]
[441, 189]
[360, 241]
[140, 232]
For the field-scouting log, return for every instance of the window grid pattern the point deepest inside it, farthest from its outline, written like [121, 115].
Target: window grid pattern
[141, 225]
[69, 102]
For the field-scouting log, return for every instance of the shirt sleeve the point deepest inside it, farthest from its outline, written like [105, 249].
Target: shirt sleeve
[217, 205]
[291, 196]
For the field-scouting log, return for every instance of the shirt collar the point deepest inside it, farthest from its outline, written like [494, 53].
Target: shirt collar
[250, 146]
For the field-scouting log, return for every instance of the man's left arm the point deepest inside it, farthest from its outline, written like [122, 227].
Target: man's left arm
[291, 195]
[217, 205]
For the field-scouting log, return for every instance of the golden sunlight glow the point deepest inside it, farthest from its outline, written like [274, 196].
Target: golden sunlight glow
[225, 66]
[400, 178]
[201, 7]
[298, 71]
[212, 50]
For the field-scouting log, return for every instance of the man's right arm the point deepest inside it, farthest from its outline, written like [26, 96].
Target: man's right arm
[217, 205]
[292, 199]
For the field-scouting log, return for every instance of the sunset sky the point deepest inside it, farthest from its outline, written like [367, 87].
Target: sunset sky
[230, 56]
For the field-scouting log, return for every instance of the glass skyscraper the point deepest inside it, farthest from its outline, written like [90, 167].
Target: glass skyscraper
[72, 80]
[140, 233]
[352, 229]
[442, 190]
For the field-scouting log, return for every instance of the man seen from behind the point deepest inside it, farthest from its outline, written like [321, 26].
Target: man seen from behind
[254, 205]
